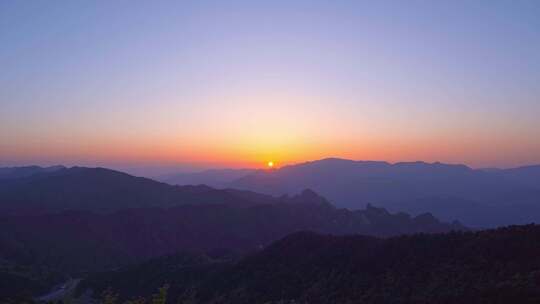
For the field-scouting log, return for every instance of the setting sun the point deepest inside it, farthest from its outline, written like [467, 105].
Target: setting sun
[270, 164]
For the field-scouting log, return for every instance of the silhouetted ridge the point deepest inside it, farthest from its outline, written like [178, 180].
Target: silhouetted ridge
[96, 241]
[370, 209]
[26, 171]
[218, 178]
[100, 189]
[475, 197]
[494, 266]
[309, 196]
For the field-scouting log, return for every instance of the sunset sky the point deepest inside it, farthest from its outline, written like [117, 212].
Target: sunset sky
[241, 83]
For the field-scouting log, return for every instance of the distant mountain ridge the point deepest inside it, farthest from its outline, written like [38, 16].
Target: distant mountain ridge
[481, 198]
[528, 175]
[476, 197]
[100, 189]
[26, 171]
[218, 178]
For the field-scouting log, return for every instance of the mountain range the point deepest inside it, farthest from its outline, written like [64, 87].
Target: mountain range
[18, 172]
[69, 222]
[104, 190]
[95, 229]
[78, 241]
[476, 197]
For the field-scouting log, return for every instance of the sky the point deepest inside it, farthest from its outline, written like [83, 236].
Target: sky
[196, 84]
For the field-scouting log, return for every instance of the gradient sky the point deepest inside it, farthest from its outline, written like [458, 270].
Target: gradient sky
[237, 83]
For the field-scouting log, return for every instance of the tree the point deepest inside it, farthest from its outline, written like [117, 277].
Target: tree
[161, 296]
[109, 297]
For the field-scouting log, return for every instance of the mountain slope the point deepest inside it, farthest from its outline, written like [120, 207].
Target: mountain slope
[499, 266]
[529, 175]
[77, 241]
[100, 189]
[494, 266]
[488, 198]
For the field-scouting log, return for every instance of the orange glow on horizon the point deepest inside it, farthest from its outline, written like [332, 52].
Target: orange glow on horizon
[249, 151]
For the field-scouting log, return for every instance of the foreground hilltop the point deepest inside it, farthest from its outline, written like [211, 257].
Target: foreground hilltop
[494, 266]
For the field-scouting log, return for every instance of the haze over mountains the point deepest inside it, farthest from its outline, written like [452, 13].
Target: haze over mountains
[219, 178]
[18, 172]
[59, 222]
[477, 197]
[86, 241]
[102, 225]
